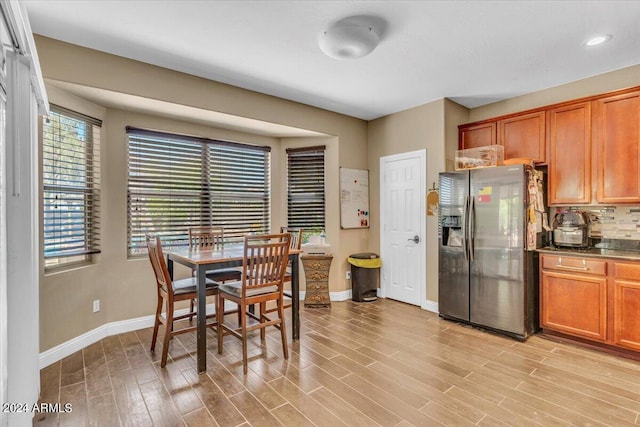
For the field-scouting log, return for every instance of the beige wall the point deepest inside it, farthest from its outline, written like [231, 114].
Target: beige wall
[454, 115]
[434, 127]
[337, 282]
[414, 129]
[125, 287]
[603, 83]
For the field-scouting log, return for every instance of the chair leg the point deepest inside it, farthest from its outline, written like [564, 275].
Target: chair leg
[191, 310]
[167, 334]
[263, 310]
[243, 328]
[220, 320]
[156, 324]
[283, 329]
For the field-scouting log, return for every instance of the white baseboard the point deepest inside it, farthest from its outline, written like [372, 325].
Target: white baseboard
[340, 296]
[333, 296]
[67, 348]
[430, 306]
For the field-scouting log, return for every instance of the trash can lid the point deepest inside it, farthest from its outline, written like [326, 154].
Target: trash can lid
[364, 255]
[365, 262]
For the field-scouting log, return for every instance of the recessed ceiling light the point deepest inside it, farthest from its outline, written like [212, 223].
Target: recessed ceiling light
[594, 41]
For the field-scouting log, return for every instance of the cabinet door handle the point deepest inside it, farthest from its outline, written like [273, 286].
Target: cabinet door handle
[570, 267]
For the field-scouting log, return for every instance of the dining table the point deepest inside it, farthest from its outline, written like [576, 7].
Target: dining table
[230, 255]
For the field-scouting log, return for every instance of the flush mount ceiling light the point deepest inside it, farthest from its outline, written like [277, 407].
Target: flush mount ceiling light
[348, 41]
[597, 40]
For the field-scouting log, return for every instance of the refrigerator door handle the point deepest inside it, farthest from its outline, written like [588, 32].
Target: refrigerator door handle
[472, 228]
[465, 227]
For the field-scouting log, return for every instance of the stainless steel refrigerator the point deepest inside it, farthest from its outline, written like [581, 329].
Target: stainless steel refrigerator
[486, 277]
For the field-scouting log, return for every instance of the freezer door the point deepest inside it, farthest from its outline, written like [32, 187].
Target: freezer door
[497, 231]
[453, 264]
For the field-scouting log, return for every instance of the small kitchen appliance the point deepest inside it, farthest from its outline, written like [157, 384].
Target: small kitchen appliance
[570, 229]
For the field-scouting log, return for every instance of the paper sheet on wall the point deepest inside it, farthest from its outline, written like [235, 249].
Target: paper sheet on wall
[354, 198]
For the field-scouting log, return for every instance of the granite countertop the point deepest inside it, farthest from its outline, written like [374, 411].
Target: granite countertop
[592, 253]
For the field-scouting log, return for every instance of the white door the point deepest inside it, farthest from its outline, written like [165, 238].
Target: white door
[403, 223]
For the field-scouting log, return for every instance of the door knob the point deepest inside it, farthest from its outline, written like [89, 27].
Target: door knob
[416, 239]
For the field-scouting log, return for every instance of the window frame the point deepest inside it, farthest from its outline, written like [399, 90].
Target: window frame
[52, 181]
[216, 205]
[303, 164]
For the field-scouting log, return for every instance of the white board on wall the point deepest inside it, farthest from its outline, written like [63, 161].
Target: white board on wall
[354, 198]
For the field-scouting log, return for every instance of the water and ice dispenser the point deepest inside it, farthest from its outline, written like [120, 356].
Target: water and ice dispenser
[452, 232]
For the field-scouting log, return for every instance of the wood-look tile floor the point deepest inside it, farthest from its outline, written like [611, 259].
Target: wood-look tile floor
[383, 363]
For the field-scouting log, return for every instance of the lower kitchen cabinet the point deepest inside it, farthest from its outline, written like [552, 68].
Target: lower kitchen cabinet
[574, 303]
[626, 305]
[591, 298]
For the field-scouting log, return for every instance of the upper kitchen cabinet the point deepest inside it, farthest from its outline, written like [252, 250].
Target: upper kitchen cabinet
[477, 135]
[616, 145]
[590, 145]
[569, 138]
[523, 136]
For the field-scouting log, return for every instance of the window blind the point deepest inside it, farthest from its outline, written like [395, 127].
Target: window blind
[177, 181]
[71, 185]
[305, 188]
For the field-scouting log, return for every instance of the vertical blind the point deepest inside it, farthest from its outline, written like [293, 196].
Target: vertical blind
[71, 184]
[305, 188]
[176, 182]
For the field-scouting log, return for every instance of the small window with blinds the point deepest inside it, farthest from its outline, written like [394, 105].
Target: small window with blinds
[305, 189]
[70, 187]
[176, 182]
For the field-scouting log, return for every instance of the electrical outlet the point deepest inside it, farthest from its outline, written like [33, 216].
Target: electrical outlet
[348, 275]
[96, 305]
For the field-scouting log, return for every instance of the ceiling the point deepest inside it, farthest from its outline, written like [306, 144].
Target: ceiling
[473, 52]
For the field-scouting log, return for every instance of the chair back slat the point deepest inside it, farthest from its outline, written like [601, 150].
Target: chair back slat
[206, 238]
[296, 236]
[163, 279]
[265, 260]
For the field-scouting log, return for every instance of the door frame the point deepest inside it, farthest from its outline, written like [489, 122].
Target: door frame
[422, 155]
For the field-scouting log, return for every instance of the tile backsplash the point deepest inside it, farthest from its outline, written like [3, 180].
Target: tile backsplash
[614, 222]
[612, 226]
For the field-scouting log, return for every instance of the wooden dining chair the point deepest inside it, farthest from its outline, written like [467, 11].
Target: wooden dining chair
[169, 292]
[263, 270]
[295, 244]
[211, 238]
[206, 237]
